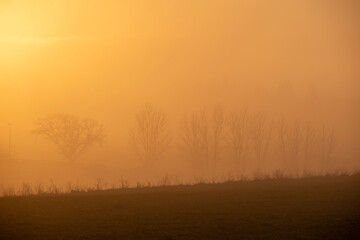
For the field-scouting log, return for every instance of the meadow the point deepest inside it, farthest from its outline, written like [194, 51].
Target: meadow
[324, 207]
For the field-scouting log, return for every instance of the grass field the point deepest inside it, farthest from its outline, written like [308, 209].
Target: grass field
[310, 208]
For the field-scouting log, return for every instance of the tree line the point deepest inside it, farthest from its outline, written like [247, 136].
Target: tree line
[207, 137]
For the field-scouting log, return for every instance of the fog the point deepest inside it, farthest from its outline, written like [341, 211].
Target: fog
[291, 61]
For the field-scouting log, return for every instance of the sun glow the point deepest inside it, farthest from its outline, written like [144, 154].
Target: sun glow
[18, 34]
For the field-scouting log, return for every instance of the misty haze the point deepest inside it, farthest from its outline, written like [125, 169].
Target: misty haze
[179, 119]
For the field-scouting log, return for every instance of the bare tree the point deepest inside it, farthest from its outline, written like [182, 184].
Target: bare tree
[203, 137]
[294, 141]
[261, 136]
[194, 133]
[190, 136]
[238, 139]
[310, 144]
[150, 137]
[283, 142]
[71, 135]
[326, 144]
[217, 130]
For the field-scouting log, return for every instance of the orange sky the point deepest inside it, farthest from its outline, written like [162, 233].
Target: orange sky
[106, 59]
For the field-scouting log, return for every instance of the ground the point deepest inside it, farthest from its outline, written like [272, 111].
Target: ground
[310, 208]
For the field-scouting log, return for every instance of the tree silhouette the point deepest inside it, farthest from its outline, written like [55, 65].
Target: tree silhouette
[238, 139]
[283, 141]
[194, 133]
[295, 136]
[71, 135]
[202, 135]
[151, 136]
[310, 144]
[326, 144]
[261, 136]
[217, 131]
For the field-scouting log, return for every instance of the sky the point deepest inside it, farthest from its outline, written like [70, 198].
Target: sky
[107, 59]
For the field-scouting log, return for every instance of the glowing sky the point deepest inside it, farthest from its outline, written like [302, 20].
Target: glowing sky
[105, 59]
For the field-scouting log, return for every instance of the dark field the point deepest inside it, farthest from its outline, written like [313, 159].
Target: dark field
[311, 208]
